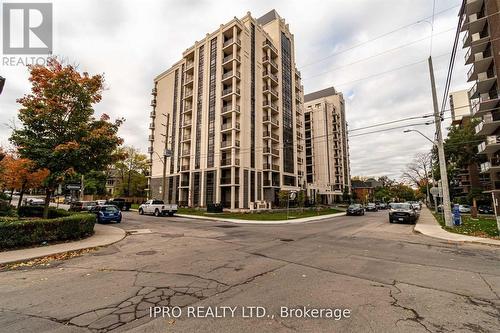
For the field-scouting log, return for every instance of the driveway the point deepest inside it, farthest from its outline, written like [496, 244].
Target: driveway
[390, 279]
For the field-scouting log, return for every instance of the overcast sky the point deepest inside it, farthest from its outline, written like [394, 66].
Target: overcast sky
[132, 41]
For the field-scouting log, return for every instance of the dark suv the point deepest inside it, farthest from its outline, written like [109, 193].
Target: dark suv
[402, 212]
[355, 209]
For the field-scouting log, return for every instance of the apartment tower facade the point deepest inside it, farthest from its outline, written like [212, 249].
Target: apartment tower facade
[231, 112]
[481, 27]
[327, 146]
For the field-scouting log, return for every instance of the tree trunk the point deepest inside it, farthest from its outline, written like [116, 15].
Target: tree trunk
[21, 194]
[11, 195]
[47, 202]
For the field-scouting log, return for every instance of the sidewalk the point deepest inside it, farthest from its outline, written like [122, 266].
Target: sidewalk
[427, 225]
[103, 235]
[291, 221]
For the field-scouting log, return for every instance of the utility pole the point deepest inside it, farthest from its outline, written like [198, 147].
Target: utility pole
[164, 184]
[439, 144]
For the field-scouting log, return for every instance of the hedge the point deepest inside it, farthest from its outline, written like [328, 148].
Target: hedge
[21, 233]
[37, 211]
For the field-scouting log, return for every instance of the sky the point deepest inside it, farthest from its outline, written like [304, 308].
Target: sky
[383, 79]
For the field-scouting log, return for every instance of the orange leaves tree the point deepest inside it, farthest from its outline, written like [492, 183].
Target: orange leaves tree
[59, 131]
[21, 173]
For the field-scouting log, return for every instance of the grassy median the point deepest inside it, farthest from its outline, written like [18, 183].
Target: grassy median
[262, 216]
[481, 227]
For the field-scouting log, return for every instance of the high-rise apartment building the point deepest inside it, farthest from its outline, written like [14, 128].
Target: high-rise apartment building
[481, 24]
[327, 147]
[231, 111]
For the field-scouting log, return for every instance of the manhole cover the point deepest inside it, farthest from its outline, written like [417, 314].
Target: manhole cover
[145, 253]
[286, 240]
[226, 226]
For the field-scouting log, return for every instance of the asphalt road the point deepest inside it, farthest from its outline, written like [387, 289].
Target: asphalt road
[390, 279]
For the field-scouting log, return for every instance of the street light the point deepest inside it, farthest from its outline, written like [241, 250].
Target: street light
[432, 174]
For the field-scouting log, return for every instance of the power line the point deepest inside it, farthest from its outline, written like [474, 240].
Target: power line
[375, 38]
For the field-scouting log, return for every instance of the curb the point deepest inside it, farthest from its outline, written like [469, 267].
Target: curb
[239, 221]
[439, 233]
[103, 236]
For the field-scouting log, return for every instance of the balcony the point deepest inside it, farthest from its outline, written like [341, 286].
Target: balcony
[268, 45]
[473, 6]
[151, 138]
[187, 122]
[228, 162]
[300, 147]
[482, 62]
[269, 166]
[150, 150]
[475, 39]
[154, 91]
[224, 181]
[153, 102]
[229, 126]
[297, 73]
[300, 161]
[298, 99]
[230, 108]
[229, 144]
[184, 183]
[230, 75]
[474, 23]
[487, 102]
[152, 114]
[184, 167]
[271, 136]
[267, 60]
[231, 41]
[488, 126]
[186, 138]
[484, 83]
[189, 66]
[271, 183]
[188, 94]
[298, 110]
[268, 120]
[189, 80]
[231, 57]
[273, 92]
[186, 153]
[490, 146]
[188, 108]
[230, 90]
[271, 151]
[269, 75]
[270, 105]
[152, 126]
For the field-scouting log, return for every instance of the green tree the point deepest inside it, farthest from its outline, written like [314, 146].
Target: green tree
[133, 169]
[283, 198]
[59, 131]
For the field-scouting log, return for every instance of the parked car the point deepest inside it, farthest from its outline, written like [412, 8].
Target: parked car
[122, 204]
[382, 205]
[485, 210]
[79, 206]
[107, 213]
[464, 208]
[355, 209]
[402, 212]
[34, 202]
[158, 208]
[371, 207]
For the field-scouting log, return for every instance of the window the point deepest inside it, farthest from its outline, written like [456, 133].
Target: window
[288, 144]
[211, 103]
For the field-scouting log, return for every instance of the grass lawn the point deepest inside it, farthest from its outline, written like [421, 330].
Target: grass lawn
[135, 206]
[263, 216]
[480, 227]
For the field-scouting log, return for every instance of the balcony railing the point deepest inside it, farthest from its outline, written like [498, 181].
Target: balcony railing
[228, 180]
[228, 161]
[271, 61]
[229, 108]
[231, 73]
[230, 91]
[268, 134]
[151, 138]
[150, 150]
[154, 91]
[186, 153]
[271, 75]
[271, 120]
[189, 65]
[274, 183]
[272, 151]
[267, 43]
[232, 40]
[226, 144]
[269, 166]
[485, 167]
[490, 140]
[185, 167]
[152, 126]
[271, 90]
[226, 126]
[272, 106]
[231, 57]
[185, 183]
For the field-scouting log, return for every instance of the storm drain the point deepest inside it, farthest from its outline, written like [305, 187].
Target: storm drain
[286, 240]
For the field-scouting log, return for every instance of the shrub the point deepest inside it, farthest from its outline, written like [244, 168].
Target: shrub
[37, 211]
[17, 233]
[6, 209]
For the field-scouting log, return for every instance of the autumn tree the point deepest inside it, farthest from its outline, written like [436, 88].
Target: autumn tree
[21, 174]
[133, 169]
[59, 131]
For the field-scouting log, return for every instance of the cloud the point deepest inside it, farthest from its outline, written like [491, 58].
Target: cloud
[132, 41]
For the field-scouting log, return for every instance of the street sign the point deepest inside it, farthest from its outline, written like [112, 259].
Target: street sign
[73, 187]
[293, 195]
[434, 191]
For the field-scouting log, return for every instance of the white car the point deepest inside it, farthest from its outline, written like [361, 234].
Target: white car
[157, 208]
[464, 208]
